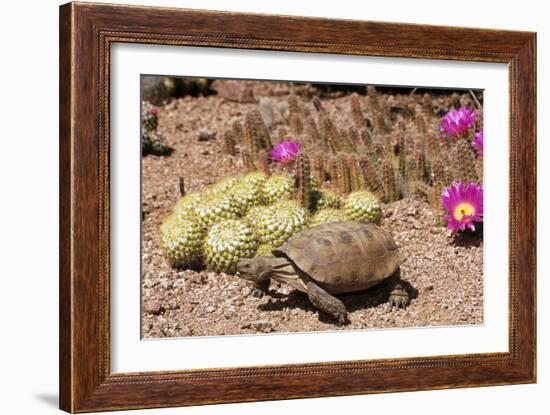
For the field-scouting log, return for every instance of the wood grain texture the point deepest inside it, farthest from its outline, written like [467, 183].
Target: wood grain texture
[86, 33]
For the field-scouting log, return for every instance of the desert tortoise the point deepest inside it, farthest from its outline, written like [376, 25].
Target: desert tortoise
[332, 258]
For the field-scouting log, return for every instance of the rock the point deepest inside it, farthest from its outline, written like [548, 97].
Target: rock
[153, 307]
[188, 307]
[264, 326]
[205, 136]
[210, 309]
[196, 278]
[246, 291]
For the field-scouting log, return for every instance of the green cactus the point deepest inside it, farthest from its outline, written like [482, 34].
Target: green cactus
[278, 187]
[238, 131]
[215, 207]
[327, 216]
[152, 140]
[318, 166]
[181, 241]
[227, 242]
[310, 129]
[257, 135]
[257, 178]
[391, 193]
[222, 186]
[246, 194]
[357, 112]
[246, 158]
[463, 165]
[229, 144]
[185, 206]
[356, 182]
[370, 174]
[265, 250]
[275, 224]
[263, 162]
[303, 181]
[343, 174]
[326, 199]
[363, 205]
[296, 124]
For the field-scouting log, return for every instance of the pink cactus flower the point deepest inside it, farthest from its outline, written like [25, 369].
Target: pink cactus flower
[464, 206]
[285, 152]
[153, 110]
[456, 123]
[477, 143]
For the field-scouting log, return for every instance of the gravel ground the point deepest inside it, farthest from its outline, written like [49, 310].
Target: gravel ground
[444, 272]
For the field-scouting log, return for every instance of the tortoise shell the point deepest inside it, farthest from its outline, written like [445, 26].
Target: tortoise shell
[343, 256]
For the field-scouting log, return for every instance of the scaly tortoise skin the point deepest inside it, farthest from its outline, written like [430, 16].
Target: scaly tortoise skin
[332, 258]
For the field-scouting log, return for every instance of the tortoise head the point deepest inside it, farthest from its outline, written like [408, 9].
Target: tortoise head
[255, 269]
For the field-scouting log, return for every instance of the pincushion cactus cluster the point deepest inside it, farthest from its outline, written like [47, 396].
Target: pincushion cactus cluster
[152, 140]
[275, 224]
[227, 242]
[278, 187]
[328, 215]
[181, 240]
[247, 216]
[363, 205]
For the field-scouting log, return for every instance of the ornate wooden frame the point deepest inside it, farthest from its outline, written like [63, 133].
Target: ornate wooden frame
[86, 33]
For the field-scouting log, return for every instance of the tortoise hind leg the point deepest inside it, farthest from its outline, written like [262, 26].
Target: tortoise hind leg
[327, 303]
[399, 297]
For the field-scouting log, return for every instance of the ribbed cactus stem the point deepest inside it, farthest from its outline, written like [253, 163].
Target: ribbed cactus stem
[433, 148]
[318, 165]
[438, 171]
[357, 112]
[366, 138]
[380, 123]
[238, 131]
[389, 181]
[296, 124]
[354, 137]
[256, 133]
[318, 105]
[343, 174]
[248, 163]
[356, 182]
[303, 181]
[263, 162]
[332, 170]
[310, 129]
[421, 124]
[370, 174]
[294, 106]
[464, 169]
[329, 133]
[229, 145]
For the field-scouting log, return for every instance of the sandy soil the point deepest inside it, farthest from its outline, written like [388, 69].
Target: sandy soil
[444, 272]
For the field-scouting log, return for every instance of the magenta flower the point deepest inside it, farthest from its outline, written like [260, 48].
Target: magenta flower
[477, 143]
[457, 122]
[464, 206]
[153, 110]
[285, 152]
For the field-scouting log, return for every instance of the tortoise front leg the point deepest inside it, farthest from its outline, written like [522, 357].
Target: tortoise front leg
[399, 297]
[327, 303]
[260, 288]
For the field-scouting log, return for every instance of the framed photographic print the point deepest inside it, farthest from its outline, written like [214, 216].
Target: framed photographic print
[261, 207]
